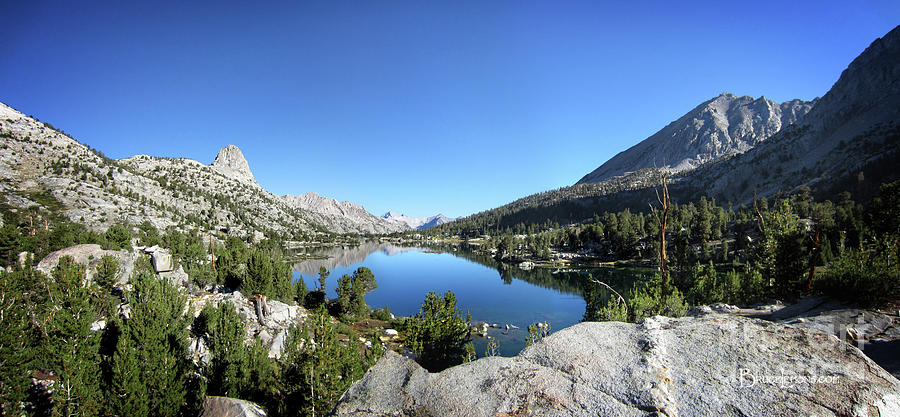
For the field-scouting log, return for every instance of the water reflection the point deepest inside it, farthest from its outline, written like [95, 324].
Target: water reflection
[342, 256]
[491, 291]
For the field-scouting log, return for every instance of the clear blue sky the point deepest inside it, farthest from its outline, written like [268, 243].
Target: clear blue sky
[417, 107]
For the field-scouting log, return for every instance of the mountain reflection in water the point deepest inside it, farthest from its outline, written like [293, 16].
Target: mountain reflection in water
[491, 291]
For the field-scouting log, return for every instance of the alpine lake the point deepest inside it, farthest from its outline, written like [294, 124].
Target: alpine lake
[496, 293]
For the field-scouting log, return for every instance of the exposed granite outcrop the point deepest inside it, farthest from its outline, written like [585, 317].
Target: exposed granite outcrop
[716, 364]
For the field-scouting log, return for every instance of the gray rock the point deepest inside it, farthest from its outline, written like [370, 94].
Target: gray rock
[178, 278]
[24, 257]
[281, 314]
[230, 407]
[715, 365]
[231, 162]
[418, 223]
[277, 346]
[199, 352]
[98, 325]
[850, 324]
[82, 254]
[89, 255]
[180, 187]
[342, 216]
[162, 261]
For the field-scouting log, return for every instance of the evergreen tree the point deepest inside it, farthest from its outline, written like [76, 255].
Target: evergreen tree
[150, 369]
[260, 275]
[438, 333]
[107, 272]
[23, 303]
[300, 290]
[224, 333]
[118, 237]
[323, 276]
[72, 349]
[317, 367]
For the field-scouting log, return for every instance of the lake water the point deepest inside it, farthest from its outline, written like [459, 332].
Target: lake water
[491, 292]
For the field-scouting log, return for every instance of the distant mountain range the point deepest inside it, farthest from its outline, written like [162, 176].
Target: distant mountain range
[729, 146]
[418, 223]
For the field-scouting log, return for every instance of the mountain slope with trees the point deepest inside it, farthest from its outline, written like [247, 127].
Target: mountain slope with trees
[38, 159]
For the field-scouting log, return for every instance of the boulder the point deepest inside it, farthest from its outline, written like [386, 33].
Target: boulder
[162, 261]
[281, 314]
[230, 407]
[277, 346]
[89, 255]
[82, 254]
[178, 278]
[716, 364]
[850, 324]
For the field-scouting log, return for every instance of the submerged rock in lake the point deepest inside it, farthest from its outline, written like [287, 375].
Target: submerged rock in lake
[695, 366]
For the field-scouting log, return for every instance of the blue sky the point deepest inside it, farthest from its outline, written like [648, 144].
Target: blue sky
[417, 107]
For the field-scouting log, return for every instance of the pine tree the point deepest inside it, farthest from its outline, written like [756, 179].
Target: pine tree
[107, 272]
[438, 333]
[150, 358]
[260, 274]
[224, 331]
[317, 367]
[300, 291]
[23, 303]
[72, 349]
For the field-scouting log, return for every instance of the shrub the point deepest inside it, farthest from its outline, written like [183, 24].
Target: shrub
[438, 333]
[383, 314]
[118, 237]
[867, 276]
[107, 272]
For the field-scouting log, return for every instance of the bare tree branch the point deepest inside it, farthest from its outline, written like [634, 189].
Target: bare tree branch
[621, 299]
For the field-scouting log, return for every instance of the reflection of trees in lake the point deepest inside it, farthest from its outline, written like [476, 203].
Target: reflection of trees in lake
[565, 281]
[570, 281]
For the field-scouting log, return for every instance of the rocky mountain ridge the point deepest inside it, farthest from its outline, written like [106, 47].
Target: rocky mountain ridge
[42, 166]
[848, 141]
[850, 138]
[418, 223]
[720, 127]
[341, 214]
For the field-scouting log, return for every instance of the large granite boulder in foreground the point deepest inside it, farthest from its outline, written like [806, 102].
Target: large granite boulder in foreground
[715, 365]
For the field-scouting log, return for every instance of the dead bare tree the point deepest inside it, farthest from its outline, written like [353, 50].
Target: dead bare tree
[662, 217]
[760, 221]
[620, 299]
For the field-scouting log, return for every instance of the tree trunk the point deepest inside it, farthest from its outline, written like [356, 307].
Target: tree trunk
[664, 202]
[812, 258]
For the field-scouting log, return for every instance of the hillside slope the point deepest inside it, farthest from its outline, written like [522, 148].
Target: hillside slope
[39, 160]
[848, 141]
[419, 223]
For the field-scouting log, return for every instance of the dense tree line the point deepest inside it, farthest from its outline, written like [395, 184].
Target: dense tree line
[794, 247]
